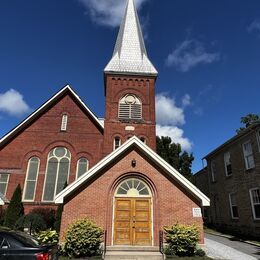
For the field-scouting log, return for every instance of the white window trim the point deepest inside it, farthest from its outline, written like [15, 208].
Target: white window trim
[56, 180]
[252, 203]
[258, 139]
[36, 180]
[246, 163]
[64, 123]
[7, 182]
[231, 205]
[213, 179]
[226, 164]
[78, 166]
[120, 142]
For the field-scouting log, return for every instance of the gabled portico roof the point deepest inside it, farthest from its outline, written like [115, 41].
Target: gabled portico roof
[134, 141]
[42, 108]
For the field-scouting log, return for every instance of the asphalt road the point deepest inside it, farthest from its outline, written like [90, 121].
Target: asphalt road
[228, 249]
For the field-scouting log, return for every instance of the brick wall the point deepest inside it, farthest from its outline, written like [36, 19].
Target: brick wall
[171, 203]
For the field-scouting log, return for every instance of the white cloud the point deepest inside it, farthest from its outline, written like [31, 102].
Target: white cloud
[168, 115]
[167, 112]
[107, 12]
[186, 100]
[254, 26]
[189, 54]
[176, 135]
[12, 102]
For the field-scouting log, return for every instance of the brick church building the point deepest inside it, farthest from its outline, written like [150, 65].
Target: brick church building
[115, 176]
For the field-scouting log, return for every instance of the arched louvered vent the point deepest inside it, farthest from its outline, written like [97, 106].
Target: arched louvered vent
[130, 107]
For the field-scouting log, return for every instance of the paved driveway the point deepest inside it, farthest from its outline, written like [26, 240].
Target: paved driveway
[228, 249]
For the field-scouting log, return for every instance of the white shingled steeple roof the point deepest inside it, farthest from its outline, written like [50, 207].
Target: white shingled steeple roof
[130, 56]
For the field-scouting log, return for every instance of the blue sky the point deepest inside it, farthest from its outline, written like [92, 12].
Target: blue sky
[207, 54]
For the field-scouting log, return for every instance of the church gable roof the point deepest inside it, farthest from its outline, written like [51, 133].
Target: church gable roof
[134, 141]
[38, 112]
[130, 56]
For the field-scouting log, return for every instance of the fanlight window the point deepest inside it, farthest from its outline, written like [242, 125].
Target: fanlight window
[133, 188]
[130, 107]
[57, 172]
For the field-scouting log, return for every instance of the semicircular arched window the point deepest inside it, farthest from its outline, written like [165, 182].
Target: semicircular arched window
[57, 172]
[130, 107]
[133, 188]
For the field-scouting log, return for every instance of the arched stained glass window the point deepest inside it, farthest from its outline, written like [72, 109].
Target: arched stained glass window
[133, 188]
[57, 172]
[31, 179]
[130, 107]
[82, 167]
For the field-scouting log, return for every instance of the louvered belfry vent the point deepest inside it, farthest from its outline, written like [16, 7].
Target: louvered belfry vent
[130, 107]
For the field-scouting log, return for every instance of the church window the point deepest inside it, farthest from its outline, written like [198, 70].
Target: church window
[82, 166]
[117, 142]
[133, 188]
[143, 140]
[64, 122]
[4, 178]
[31, 179]
[130, 107]
[57, 172]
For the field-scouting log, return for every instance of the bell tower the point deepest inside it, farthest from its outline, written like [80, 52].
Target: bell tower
[129, 87]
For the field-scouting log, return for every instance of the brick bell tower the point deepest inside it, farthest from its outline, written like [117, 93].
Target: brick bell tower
[129, 87]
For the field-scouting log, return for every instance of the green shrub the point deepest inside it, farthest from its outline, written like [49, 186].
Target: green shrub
[200, 252]
[33, 222]
[82, 239]
[181, 239]
[2, 215]
[15, 208]
[48, 215]
[48, 237]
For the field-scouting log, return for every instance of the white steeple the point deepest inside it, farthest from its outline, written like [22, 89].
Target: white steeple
[130, 56]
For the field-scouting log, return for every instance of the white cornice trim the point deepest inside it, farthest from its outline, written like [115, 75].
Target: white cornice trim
[36, 112]
[205, 201]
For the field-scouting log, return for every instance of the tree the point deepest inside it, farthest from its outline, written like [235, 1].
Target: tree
[15, 208]
[173, 154]
[248, 120]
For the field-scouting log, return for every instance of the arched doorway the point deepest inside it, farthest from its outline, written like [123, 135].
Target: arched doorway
[132, 223]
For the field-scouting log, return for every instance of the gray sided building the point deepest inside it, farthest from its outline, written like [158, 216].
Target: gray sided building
[232, 182]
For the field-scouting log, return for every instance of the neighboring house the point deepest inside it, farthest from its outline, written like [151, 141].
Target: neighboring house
[232, 182]
[115, 176]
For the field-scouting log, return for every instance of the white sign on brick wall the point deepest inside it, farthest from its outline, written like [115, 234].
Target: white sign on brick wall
[196, 212]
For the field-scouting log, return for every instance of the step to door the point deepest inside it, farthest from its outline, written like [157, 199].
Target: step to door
[133, 248]
[133, 255]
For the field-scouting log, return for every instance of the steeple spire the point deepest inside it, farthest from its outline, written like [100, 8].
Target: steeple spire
[130, 56]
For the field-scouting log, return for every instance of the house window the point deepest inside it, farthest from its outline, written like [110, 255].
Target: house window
[57, 172]
[248, 155]
[130, 107]
[255, 202]
[64, 122]
[213, 171]
[31, 179]
[228, 167]
[82, 166]
[117, 142]
[233, 205]
[4, 178]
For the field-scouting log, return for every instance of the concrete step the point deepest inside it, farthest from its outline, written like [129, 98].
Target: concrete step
[133, 255]
[133, 248]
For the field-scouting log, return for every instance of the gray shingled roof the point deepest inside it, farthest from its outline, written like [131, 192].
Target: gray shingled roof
[130, 56]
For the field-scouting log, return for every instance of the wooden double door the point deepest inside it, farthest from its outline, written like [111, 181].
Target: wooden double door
[132, 221]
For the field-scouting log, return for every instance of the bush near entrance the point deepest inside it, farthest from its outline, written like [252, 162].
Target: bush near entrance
[82, 239]
[181, 240]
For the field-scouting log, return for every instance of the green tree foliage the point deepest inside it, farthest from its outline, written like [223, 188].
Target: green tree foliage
[173, 154]
[48, 237]
[247, 121]
[181, 240]
[15, 208]
[48, 215]
[82, 239]
[33, 222]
